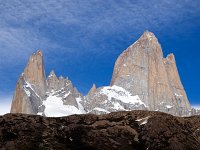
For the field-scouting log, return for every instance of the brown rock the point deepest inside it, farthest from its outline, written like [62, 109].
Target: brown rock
[135, 130]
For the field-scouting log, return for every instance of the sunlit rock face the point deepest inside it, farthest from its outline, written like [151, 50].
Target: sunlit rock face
[31, 86]
[142, 80]
[142, 70]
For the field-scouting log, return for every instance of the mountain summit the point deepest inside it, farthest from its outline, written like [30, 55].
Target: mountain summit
[142, 70]
[142, 80]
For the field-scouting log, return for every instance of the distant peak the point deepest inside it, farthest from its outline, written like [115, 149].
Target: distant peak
[52, 74]
[171, 56]
[94, 86]
[35, 55]
[39, 52]
[61, 77]
[92, 90]
[146, 37]
[148, 34]
[169, 59]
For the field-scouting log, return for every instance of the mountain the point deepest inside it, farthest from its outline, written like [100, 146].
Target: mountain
[53, 96]
[133, 130]
[142, 80]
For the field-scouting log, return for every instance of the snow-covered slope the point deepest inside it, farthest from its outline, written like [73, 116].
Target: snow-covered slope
[56, 102]
[119, 93]
[54, 107]
[62, 99]
[112, 98]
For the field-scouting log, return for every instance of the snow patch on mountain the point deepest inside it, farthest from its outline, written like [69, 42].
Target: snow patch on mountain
[101, 110]
[121, 94]
[27, 91]
[80, 106]
[54, 107]
[169, 106]
[117, 106]
[143, 121]
[66, 95]
[178, 95]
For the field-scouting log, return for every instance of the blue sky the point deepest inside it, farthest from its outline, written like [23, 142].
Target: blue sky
[82, 39]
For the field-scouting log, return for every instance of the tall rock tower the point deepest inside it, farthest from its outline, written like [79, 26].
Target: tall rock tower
[142, 70]
[31, 86]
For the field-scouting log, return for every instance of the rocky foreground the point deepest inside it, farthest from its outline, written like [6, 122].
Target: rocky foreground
[137, 130]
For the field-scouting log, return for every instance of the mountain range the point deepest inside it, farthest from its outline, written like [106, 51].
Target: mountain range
[142, 80]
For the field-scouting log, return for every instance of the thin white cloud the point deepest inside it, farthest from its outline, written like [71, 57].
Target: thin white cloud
[22, 21]
[5, 104]
[17, 44]
[196, 106]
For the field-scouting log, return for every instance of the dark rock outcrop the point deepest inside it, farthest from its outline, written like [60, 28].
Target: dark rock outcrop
[137, 130]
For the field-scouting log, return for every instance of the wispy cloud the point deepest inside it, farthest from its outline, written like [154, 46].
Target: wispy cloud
[5, 104]
[23, 21]
[196, 106]
[17, 44]
[80, 28]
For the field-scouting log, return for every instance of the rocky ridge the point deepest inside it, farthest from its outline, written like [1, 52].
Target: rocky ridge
[135, 130]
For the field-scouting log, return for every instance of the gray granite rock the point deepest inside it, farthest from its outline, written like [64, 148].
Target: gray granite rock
[142, 71]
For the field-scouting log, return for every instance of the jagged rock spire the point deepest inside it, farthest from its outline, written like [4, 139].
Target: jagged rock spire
[61, 77]
[34, 72]
[31, 81]
[52, 74]
[52, 81]
[92, 90]
[175, 82]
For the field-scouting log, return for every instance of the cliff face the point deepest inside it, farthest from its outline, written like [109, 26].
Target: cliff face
[34, 73]
[176, 85]
[31, 86]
